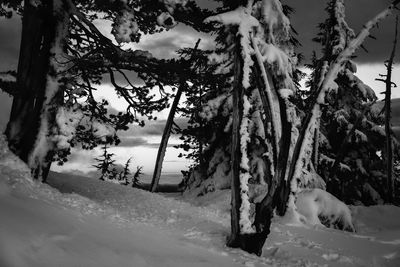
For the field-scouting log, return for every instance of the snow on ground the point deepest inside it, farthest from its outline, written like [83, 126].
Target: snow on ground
[41, 227]
[94, 223]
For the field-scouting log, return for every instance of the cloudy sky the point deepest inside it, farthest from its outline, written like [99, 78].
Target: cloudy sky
[141, 144]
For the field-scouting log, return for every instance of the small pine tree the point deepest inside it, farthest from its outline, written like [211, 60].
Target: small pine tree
[106, 165]
[136, 176]
[123, 176]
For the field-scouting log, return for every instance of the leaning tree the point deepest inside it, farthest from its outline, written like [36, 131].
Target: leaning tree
[64, 55]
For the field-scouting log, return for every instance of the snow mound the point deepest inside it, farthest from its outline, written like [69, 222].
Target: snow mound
[320, 207]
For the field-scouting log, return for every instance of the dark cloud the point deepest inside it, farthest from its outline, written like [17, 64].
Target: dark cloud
[151, 128]
[311, 12]
[132, 142]
[308, 14]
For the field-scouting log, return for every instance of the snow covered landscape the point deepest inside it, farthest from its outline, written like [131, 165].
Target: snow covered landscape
[199, 133]
[86, 222]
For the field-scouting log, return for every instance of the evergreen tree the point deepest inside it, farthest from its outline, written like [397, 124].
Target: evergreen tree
[203, 82]
[350, 136]
[106, 165]
[136, 177]
[270, 156]
[124, 175]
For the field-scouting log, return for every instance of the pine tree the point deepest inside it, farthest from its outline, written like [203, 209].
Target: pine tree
[136, 177]
[124, 175]
[106, 165]
[350, 136]
[203, 82]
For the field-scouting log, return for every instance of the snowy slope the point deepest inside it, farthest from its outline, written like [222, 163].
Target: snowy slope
[94, 223]
[376, 243]
[42, 227]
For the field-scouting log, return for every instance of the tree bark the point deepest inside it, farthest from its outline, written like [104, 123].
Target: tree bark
[34, 109]
[237, 97]
[45, 145]
[167, 131]
[33, 66]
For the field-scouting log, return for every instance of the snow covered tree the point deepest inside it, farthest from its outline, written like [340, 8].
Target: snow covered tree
[349, 135]
[272, 142]
[344, 107]
[257, 52]
[203, 81]
[63, 55]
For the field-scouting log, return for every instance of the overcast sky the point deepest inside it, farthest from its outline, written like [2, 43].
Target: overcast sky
[142, 143]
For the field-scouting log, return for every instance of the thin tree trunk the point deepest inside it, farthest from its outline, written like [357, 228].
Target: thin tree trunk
[165, 137]
[388, 128]
[167, 131]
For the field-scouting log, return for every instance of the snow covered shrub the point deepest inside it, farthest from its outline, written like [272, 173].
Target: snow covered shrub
[320, 207]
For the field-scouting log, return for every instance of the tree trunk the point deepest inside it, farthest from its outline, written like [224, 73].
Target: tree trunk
[388, 128]
[237, 97]
[33, 66]
[45, 146]
[167, 130]
[164, 140]
[30, 128]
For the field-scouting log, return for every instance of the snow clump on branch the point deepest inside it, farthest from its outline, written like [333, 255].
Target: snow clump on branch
[274, 18]
[242, 18]
[125, 27]
[166, 20]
